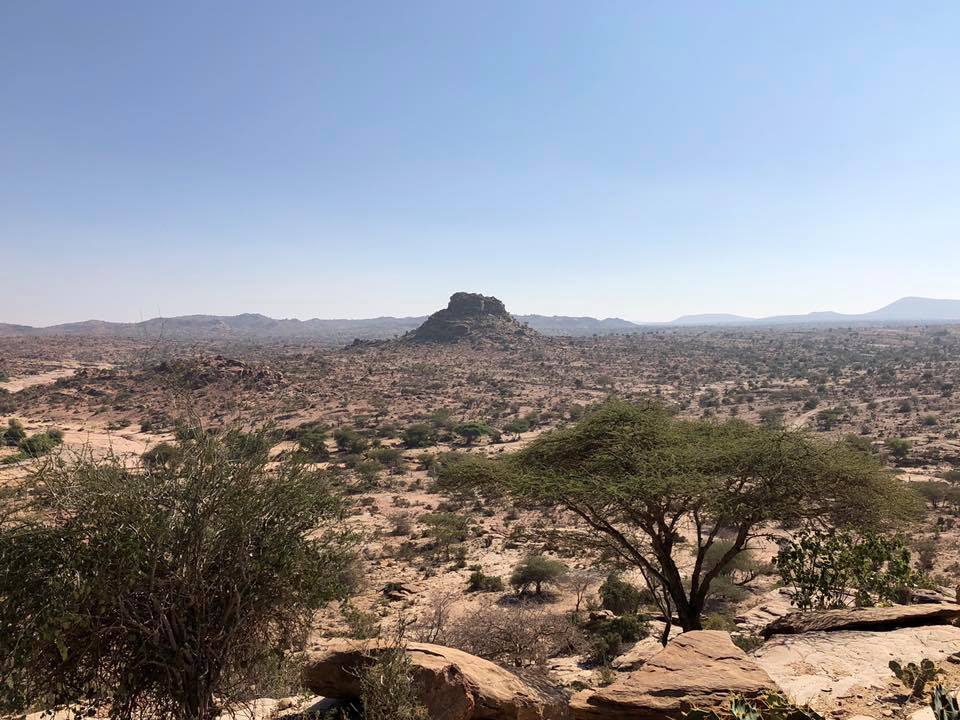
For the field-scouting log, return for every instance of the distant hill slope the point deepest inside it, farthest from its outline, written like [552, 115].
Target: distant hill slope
[908, 309]
[339, 331]
[567, 325]
[914, 308]
[224, 327]
[711, 319]
[252, 326]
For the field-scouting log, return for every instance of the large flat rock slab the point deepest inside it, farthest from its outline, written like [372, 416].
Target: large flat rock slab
[698, 669]
[452, 684]
[767, 608]
[820, 668]
[871, 618]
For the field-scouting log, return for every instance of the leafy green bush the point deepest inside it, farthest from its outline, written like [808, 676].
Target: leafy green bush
[719, 621]
[312, 444]
[829, 570]
[14, 434]
[610, 635]
[515, 427]
[165, 584]
[536, 570]
[446, 529]
[481, 582]
[350, 441]
[419, 435]
[473, 431]
[604, 648]
[161, 454]
[619, 596]
[899, 447]
[630, 628]
[40, 443]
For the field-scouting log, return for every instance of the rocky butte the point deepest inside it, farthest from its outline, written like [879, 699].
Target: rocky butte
[470, 315]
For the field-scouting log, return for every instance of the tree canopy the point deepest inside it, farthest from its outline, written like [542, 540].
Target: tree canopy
[643, 482]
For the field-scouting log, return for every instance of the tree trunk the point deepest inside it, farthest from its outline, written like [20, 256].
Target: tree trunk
[689, 617]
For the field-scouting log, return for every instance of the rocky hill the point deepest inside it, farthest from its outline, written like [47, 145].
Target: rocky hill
[473, 316]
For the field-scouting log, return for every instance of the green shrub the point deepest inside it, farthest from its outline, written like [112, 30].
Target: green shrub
[312, 444]
[14, 434]
[604, 648]
[40, 444]
[446, 529]
[350, 441]
[899, 447]
[829, 570]
[630, 628]
[619, 596]
[473, 431]
[161, 454]
[536, 570]
[719, 621]
[480, 582]
[419, 435]
[165, 584]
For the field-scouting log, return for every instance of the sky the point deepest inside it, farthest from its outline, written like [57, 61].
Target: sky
[354, 159]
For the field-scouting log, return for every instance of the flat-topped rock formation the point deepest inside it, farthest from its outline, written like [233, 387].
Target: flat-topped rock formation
[470, 315]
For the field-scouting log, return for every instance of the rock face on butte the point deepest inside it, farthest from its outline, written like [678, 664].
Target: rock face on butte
[470, 316]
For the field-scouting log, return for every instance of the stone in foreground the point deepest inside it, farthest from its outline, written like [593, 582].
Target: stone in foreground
[453, 685]
[870, 618]
[701, 668]
[822, 668]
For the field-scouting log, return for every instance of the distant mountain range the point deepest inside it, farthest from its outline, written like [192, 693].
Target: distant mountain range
[255, 326]
[908, 309]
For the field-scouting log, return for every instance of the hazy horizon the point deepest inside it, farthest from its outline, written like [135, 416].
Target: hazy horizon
[511, 310]
[312, 160]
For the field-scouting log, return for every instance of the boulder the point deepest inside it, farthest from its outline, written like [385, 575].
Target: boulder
[822, 668]
[396, 591]
[699, 669]
[637, 656]
[872, 618]
[453, 685]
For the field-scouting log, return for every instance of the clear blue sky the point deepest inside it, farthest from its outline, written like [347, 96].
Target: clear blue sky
[350, 159]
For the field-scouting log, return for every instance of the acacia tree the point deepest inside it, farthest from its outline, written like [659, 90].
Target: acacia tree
[152, 589]
[647, 485]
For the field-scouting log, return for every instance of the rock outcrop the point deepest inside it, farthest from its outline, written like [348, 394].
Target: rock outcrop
[698, 669]
[823, 668]
[871, 618]
[453, 685]
[470, 315]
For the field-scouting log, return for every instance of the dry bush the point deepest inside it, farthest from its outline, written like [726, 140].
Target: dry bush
[519, 634]
[432, 626]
